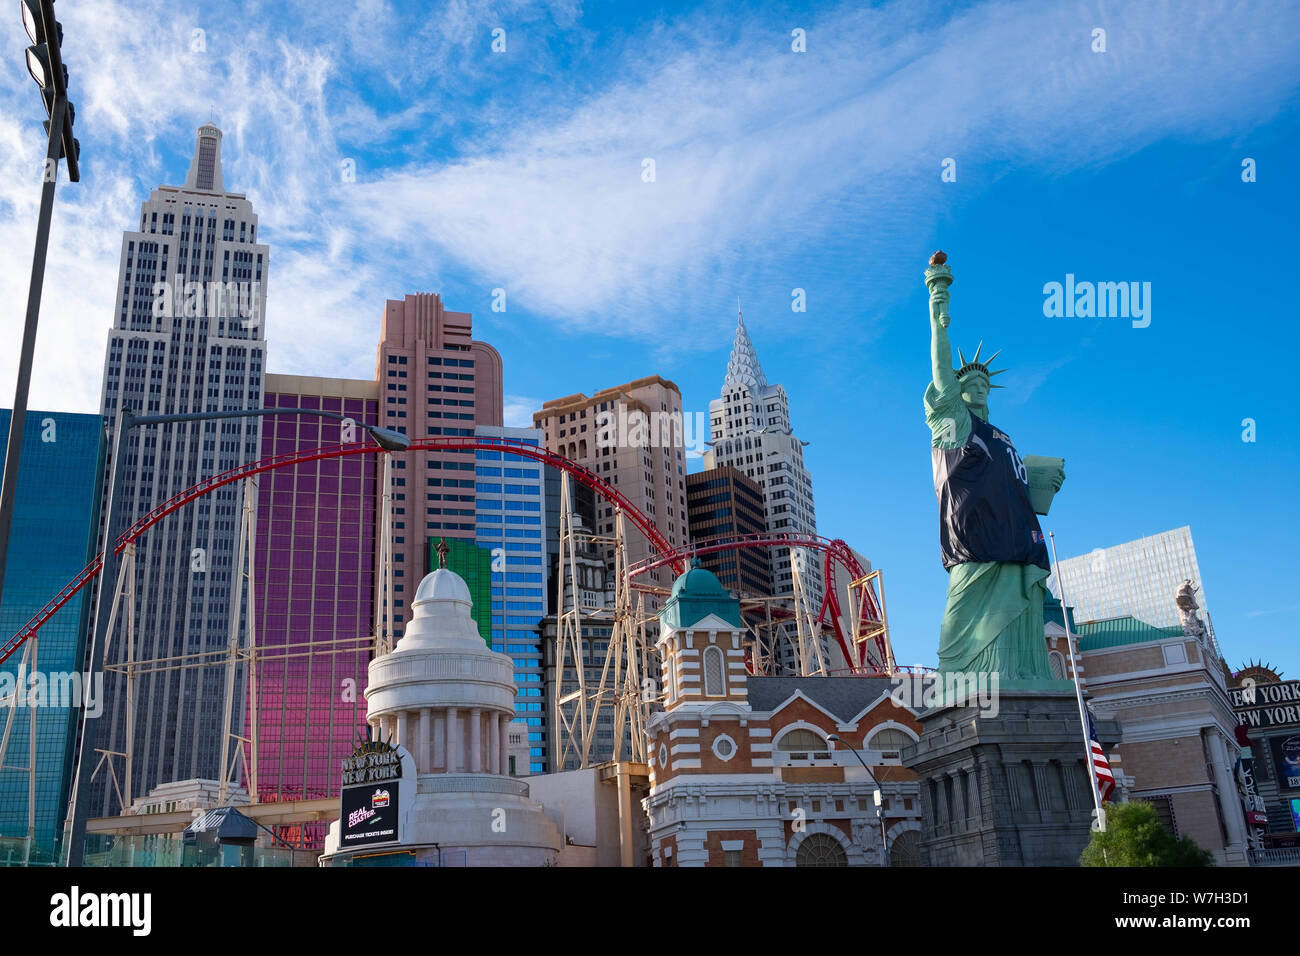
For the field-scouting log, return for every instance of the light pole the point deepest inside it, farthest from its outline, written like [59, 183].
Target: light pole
[127, 420]
[877, 796]
[45, 64]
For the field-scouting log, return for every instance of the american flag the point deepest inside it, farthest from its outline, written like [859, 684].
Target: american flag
[1105, 779]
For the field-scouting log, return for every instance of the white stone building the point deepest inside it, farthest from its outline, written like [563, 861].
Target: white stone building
[448, 700]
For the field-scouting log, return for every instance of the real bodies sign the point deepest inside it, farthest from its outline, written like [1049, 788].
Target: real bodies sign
[371, 795]
[1286, 757]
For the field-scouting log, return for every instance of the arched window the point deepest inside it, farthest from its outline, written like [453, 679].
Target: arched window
[820, 849]
[891, 738]
[906, 849]
[1058, 664]
[800, 741]
[715, 681]
[671, 664]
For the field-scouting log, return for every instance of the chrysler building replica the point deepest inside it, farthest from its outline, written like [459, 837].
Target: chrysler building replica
[187, 336]
[750, 430]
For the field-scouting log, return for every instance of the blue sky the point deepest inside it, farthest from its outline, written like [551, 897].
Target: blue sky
[775, 170]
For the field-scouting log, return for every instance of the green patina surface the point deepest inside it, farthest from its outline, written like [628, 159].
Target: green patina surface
[1120, 631]
[1052, 612]
[696, 595]
[474, 565]
[993, 621]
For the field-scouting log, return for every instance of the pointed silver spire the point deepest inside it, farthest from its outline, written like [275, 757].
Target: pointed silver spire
[743, 366]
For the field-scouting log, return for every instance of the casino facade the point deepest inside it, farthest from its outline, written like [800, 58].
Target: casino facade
[1269, 710]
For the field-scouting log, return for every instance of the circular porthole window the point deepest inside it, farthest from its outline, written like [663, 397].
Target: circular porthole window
[663, 756]
[724, 748]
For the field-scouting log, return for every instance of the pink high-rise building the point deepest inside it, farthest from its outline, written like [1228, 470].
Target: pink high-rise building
[434, 381]
[315, 588]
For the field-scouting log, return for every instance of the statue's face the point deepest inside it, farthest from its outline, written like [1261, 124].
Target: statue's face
[975, 390]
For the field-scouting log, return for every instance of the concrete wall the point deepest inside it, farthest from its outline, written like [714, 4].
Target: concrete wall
[585, 808]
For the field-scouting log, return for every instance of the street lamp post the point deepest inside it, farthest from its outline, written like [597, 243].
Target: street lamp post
[877, 797]
[127, 420]
[45, 63]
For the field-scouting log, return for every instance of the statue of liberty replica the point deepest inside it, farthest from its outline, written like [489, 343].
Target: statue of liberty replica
[1003, 771]
[989, 536]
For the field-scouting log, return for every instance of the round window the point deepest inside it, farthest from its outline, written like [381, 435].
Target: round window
[724, 747]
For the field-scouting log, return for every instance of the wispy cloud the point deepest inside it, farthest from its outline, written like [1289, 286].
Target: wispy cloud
[1277, 610]
[1030, 379]
[525, 171]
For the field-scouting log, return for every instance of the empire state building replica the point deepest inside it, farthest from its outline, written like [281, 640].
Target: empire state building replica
[187, 336]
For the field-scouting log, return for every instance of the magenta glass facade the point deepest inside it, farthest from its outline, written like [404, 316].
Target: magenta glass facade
[315, 582]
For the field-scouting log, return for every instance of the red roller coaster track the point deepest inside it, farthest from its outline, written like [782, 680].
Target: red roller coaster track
[512, 446]
[834, 550]
[666, 554]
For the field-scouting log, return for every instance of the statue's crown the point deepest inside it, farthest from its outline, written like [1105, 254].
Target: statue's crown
[975, 365]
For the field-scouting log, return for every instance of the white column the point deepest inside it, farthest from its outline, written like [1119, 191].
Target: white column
[425, 743]
[403, 734]
[503, 732]
[1229, 803]
[453, 741]
[494, 742]
[475, 740]
[439, 742]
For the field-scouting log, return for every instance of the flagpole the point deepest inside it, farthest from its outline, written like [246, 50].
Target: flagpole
[1078, 690]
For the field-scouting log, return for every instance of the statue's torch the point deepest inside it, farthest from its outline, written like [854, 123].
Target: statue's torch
[937, 279]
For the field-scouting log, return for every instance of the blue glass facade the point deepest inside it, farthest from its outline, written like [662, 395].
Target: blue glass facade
[53, 538]
[511, 521]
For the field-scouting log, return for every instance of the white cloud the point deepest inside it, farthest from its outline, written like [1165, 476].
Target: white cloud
[527, 175]
[518, 410]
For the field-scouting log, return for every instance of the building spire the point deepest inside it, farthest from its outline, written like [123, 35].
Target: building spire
[743, 367]
[205, 167]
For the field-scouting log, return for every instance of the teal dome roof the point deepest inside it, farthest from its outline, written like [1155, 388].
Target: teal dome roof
[697, 594]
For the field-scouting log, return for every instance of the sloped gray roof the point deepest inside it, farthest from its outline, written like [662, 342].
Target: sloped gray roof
[845, 697]
[228, 823]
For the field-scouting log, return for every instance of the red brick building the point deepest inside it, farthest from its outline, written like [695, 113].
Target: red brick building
[771, 771]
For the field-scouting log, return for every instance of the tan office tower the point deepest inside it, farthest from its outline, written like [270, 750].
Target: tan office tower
[434, 381]
[632, 437]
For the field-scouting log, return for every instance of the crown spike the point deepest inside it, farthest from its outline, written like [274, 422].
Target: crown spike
[977, 352]
[989, 360]
[998, 372]
[961, 359]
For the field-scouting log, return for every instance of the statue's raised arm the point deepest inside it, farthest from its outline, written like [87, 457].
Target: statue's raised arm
[937, 278]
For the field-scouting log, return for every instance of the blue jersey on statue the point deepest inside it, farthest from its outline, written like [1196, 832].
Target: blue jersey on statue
[983, 488]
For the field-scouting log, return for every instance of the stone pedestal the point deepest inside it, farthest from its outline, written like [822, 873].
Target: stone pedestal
[1005, 790]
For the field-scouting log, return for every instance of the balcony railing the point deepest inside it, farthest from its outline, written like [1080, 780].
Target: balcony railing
[1285, 856]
